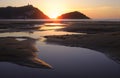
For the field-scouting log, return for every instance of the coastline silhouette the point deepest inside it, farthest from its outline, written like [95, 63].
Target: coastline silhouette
[31, 12]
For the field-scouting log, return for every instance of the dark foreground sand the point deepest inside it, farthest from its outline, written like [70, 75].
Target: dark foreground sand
[106, 41]
[21, 51]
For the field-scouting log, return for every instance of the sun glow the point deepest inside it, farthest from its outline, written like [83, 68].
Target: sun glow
[53, 15]
[52, 26]
[54, 8]
[104, 9]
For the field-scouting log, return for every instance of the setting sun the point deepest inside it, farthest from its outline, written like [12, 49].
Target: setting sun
[53, 16]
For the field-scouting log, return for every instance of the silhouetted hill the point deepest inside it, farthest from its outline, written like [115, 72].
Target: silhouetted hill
[28, 12]
[73, 15]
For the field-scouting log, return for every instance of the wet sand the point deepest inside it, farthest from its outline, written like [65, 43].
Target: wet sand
[108, 43]
[103, 36]
[106, 40]
[21, 51]
[93, 27]
[100, 36]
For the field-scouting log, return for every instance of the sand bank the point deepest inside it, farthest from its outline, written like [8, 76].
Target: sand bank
[108, 43]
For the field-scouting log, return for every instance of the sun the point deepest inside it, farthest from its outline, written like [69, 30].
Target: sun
[53, 15]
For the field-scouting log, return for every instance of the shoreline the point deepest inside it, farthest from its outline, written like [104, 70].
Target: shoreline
[37, 21]
[92, 27]
[96, 40]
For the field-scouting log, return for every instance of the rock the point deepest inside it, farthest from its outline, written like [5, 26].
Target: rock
[73, 15]
[24, 12]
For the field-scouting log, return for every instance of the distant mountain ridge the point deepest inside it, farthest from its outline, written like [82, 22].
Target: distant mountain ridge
[73, 15]
[24, 12]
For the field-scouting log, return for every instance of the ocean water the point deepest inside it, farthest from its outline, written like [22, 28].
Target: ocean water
[67, 62]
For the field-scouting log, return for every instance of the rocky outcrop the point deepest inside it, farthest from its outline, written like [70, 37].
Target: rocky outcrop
[24, 12]
[73, 15]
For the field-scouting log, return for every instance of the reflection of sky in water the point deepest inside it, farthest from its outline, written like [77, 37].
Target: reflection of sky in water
[35, 34]
[68, 62]
[72, 62]
[54, 24]
[44, 30]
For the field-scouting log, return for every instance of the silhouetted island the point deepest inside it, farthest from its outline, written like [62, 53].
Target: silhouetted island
[73, 15]
[24, 12]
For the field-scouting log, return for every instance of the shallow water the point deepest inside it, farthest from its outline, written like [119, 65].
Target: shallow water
[67, 62]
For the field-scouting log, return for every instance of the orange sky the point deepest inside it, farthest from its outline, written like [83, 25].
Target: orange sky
[92, 8]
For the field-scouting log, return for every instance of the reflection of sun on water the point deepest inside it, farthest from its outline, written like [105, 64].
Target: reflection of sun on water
[52, 26]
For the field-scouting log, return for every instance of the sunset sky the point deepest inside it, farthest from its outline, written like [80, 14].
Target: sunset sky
[92, 8]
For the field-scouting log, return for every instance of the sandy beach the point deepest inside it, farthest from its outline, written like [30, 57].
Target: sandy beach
[108, 43]
[82, 49]
[100, 36]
